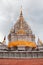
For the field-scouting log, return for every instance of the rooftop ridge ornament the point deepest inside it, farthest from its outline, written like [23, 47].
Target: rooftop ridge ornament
[4, 40]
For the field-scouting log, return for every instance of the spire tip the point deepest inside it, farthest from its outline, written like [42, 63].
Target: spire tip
[21, 11]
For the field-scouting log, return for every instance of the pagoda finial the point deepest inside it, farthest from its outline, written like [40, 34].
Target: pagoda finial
[21, 11]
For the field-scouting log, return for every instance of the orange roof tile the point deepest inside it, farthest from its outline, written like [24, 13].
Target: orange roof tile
[23, 43]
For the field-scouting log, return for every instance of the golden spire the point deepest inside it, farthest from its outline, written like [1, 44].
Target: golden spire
[21, 11]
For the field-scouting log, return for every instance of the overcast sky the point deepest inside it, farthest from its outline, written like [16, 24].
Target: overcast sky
[32, 12]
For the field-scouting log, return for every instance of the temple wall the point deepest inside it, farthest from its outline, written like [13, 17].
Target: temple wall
[21, 37]
[13, 61]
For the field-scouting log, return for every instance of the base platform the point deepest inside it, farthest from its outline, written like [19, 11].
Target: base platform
[13, 61]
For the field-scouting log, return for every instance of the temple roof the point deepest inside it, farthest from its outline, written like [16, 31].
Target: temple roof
[21, 43]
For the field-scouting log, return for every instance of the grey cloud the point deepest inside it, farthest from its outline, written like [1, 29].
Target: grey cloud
[32, 11]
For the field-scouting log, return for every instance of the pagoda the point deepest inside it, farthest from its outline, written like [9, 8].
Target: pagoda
[22, 48]
[21, 34]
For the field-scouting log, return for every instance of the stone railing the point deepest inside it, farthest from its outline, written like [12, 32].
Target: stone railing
[21, 54]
